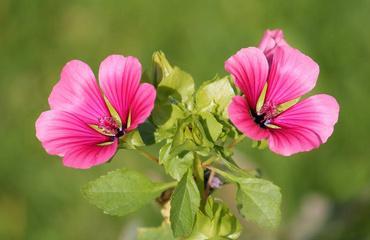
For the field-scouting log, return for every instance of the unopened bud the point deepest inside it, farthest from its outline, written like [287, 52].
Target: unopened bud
[161, 67]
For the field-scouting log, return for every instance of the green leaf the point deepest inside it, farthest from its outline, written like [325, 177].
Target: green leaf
[174, 96]
[165, 115]
[190, 130]
[164, 134]
[214, 94]
[213, 126]
[175, 165]
[122, 191]
[259, 201]
[185, 202]
[234, 173]
[183, 148]
[142, 136]
[178, 84]
[216, 222]
[159, 233]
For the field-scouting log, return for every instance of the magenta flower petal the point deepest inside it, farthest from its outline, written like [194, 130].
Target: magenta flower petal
[270, 41]
[305, 125]
[61, 133]
[77, 91]
[239, 114]
[249, 67]
[292, 74]
[86, 156]
[142, 105]
[119, 79]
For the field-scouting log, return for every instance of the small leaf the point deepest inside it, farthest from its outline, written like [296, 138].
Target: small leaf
[216, 222]
[234, 173]
[186, 146]
[184, 206]
[144, 135]
[122, 191]
[215, 93]
[176, 166]
[165, 115]
[191, 129]
[178, 84]
[174, 96]
[259, 201]
[213, 126]
[159, 233]
[146, 131]
[161, 133]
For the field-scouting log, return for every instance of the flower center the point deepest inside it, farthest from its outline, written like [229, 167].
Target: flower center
[110, 127]
[267, 112]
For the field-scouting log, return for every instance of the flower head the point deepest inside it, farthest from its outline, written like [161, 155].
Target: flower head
[86, 122]
[271, 78]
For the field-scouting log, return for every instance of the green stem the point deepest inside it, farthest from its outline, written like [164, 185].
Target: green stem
[224, 174]
[169, 185]
[209, 161]
[148, 155]
[232, 144]
[235, 141]
[199, 177]
[218, 171]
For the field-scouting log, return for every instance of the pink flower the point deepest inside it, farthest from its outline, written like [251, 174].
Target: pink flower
[86, 122]
[289, 74]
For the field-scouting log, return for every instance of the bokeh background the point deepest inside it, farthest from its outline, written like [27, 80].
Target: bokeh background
[326, 193]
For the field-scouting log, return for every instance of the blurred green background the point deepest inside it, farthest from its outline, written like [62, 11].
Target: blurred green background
[326, 193]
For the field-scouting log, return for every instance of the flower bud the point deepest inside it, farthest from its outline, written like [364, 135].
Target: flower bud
[161, 67]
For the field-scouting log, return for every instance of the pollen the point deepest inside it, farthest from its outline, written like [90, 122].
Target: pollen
[264, 116]
[108, 125]
[269, 110]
